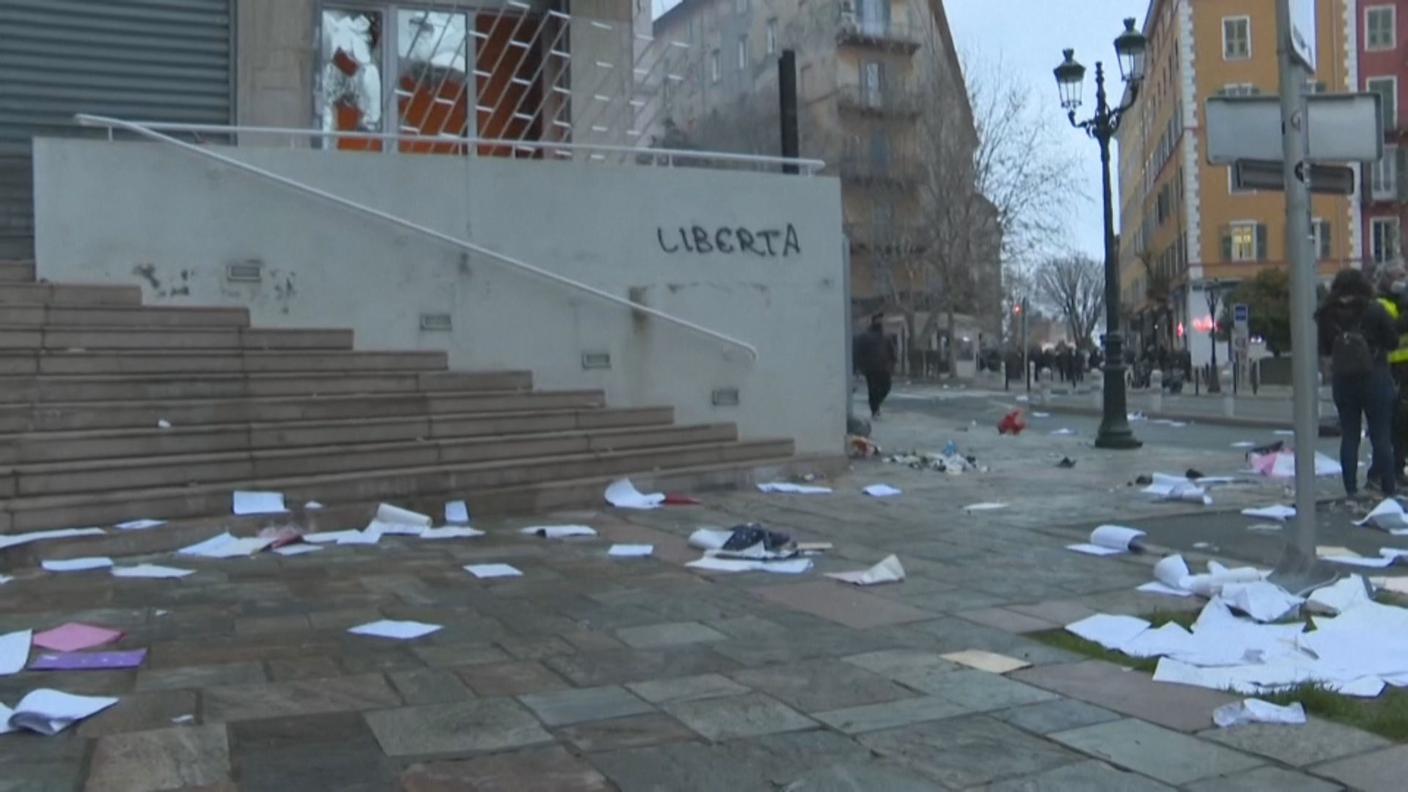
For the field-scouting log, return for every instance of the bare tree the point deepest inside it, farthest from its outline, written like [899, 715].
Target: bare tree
[994, 185]
[1075, 286]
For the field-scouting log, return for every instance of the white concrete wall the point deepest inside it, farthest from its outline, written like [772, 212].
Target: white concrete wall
[146, 214]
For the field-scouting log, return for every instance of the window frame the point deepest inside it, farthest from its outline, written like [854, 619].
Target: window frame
[744, 56]
[1369, 12]
[715, 67]
[1391, 222]
[771, 33]
[1246, 20]
[1388, 165]
[1251, 228]
[1390, 121]
[1322, 236]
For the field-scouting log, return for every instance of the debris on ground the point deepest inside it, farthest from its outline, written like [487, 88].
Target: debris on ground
[1387, 516]
[457, 512]
[400, 630]
[861, 447]
[630, 550]
[1012, 423]
[252, 503]
[1111, 540]
[1240, 713]
[1273, 512]
[793, 566]
[793, 489]
[558, 531]
[676, 499]
[156, 571]
[1066, 463]
[984, 506]
[1281, 463]
[622, 494]
[888, 570]
[881, 491]
[1063, 432]
[89, 661]
[74, 636]
[49, 712]
[77, 564]
[952, 464]
[492, 570]
[991, 662]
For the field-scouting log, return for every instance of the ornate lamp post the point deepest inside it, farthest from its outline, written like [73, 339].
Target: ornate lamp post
[1070, 76]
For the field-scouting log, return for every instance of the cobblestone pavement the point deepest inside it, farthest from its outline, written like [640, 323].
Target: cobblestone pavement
[592, 673]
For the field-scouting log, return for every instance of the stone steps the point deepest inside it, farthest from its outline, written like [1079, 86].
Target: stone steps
[412, 485]
[109, 444]
[52, 337]
[56, 417]
[25, 389]
[69, 294]
[16, 271]
[104, 475]
[186, 362]
[133, 316]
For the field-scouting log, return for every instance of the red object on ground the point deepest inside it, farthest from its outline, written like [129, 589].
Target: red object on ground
[1012, 423]
[671, 499]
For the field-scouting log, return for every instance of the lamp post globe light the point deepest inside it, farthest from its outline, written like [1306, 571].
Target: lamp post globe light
[1070, 77]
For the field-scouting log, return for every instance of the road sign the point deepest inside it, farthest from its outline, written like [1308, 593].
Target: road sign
[1303, 32]
[1343, 128]
[1269, 175]
[1241, 313]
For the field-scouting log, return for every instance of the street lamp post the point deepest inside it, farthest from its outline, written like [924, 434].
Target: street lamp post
[1213, 298]
[1070, 75]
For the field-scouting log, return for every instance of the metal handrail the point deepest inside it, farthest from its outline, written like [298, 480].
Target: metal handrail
[808, 166]
[85, 119]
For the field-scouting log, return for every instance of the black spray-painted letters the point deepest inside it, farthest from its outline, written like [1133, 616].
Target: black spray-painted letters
[764, 243]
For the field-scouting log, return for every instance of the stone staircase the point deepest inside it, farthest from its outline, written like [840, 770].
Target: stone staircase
[90, 378]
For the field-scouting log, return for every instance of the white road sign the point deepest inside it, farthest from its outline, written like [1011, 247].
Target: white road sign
[1343, 128]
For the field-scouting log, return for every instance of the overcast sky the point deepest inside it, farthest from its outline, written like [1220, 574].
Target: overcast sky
[1026, 37]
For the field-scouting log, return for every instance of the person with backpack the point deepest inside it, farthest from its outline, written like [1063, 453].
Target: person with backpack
[1356, 333]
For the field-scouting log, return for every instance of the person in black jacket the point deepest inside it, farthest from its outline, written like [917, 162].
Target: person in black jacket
[1348, 320]
[875, 359]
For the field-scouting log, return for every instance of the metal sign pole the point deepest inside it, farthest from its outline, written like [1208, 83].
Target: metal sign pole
[1303, 276]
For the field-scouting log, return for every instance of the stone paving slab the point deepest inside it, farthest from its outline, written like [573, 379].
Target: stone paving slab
[1162, 754]
[187, 756]
[1316, 741]
[475, 725]
[816, 685]
[537, 770]
[1007, 620]
[1129, 692]
[1263, 779]
[842, 604]
[663, 691]
[1089, 776]
[305, 697]
[564, 707]
[1377, 771]
[967, 751]
[738, 716]
[1057, 715]
[620, 733]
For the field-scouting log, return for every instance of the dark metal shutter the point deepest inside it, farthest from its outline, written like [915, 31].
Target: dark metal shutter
[143, 60]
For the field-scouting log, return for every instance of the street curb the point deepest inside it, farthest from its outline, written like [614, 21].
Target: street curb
[1214, 420]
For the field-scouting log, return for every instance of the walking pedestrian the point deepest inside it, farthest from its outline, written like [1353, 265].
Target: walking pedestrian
[1392, 288]
[875, 359]
[1356, 333]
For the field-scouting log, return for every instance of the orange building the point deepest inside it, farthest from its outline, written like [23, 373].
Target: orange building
[1185, 229]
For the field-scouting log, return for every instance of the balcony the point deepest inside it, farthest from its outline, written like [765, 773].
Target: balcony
[878, 166]
[895, 239]
[893, 99]
[879, 33]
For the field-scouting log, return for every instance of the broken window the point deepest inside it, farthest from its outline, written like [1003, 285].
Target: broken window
[351, 75]
[432, 85]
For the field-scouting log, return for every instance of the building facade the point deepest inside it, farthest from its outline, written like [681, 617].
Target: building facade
[1382, 36]
[867, 72]
[1186, 229]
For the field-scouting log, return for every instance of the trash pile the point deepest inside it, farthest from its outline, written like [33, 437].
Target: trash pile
[1277, 461]
[1012, 423]
[948, 461]
[748, 548]
[1249, 637]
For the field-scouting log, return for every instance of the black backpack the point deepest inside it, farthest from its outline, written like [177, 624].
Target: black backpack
[1350, 356]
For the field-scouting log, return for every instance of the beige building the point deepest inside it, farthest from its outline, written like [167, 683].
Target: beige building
[1185, 226]
[867, 72]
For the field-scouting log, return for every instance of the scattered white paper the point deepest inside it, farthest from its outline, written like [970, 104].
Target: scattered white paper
[312, 506]
[982, 507]
[297, 549]
[5, 714]
[1257, 711]
[139, 525]
[1285, 432]
[1172, 571]
[1155, 587]
[451, 532]
[258, 502]
[1343, 555]
[162, 423]
[1095, 550]
[1276, 512]
[457, 512]
[6, 579]
[403, 630]
[1217, 576]
[49, 712]
[982, 660]
[1111, 632]
[328, 537]
[887, 571]
[558, 531]
[367, 536]
[77, 564]
[226, 546]
[881, 491]
[793, 489]
[15, 540]
[1244, 444]
[1180, 488]
[184, 719]
[1041, 415]
[622, 494]
[150, 571]
[1387, 516]
[1342, 595]
[14, 651]
[631, 550]
[709, 538]
[1398, 585]
[1063, 432]
[794, 566]
[492, 570]
[1263, 601]
[390, 520]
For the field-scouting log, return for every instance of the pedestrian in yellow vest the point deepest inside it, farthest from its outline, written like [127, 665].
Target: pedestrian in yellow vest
[1393, 289]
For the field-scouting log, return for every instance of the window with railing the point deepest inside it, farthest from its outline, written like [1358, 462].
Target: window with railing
[1387, 89]
[1379, 27]
[1384, 239]
[1383, 179]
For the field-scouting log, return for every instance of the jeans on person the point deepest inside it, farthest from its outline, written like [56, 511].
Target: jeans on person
[878, 385]
[1373, 398]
